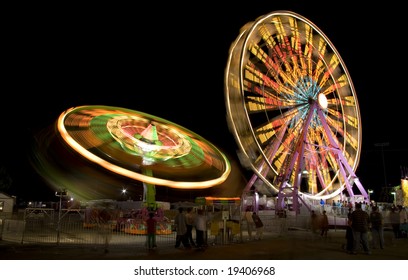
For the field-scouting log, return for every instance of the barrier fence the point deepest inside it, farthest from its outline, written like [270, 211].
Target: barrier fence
[45, 226]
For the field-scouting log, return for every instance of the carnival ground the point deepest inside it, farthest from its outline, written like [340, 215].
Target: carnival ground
[296, 244]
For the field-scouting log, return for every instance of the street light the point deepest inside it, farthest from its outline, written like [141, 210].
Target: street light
[123, 196]
[369, 194]
[60, 194]
[395, 197]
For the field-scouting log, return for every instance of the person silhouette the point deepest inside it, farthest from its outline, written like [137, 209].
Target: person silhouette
[181, 230]
[151, 231]
[324, 224]
[190, 219]
[377, 230]
[258, 225]
[360, 223]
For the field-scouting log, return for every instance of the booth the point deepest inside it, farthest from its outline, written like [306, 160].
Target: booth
[6, 203]
[225, 216]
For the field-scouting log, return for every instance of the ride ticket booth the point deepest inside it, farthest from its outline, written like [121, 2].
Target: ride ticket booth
[224, 217]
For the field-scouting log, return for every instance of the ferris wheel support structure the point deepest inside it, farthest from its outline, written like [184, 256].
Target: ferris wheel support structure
[298, 158]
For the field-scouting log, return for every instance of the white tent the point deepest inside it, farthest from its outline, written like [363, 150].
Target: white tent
[6, 203]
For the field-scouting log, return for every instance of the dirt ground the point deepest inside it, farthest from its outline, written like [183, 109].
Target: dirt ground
[296, 245]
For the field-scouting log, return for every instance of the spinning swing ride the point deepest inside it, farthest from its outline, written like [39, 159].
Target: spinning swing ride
[128, 144]
[293, 110]
[104, 146]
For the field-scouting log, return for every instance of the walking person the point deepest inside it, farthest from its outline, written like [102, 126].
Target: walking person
[360, 222]
[349, 233]
[258, 226]
[105, 227]
[349, 237]
[395, 221]
[181, 230]
[377, 230]
[190, 217]
[402, 233]
[201, 229]
[322, 203]
[250, 223]
[151, 231]
[324, 224]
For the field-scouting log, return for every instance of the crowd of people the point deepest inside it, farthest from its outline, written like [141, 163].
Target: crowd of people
[364, 226]
[185, 223]
[190, 220]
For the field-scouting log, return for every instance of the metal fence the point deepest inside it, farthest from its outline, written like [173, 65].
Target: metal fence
[47, 227]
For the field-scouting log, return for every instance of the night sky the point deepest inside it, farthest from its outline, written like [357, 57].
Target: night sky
[169, 61]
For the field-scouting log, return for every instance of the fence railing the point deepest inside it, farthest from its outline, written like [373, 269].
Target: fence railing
[45, 227]
[40, 227]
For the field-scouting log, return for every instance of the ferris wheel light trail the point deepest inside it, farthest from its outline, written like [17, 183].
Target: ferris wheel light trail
[292, 107]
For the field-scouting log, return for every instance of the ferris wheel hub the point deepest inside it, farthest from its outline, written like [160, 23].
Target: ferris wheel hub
[322, 101]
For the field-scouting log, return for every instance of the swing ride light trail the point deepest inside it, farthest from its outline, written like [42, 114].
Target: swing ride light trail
[93, 150]
[112, 138]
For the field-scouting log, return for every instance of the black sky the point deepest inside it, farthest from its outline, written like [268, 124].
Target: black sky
[169, 61]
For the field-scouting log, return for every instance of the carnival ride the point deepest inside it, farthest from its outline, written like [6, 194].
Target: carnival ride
[144, 148]
[293, 110]
[105, 213]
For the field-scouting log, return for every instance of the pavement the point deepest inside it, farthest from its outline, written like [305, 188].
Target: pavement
[295, 245]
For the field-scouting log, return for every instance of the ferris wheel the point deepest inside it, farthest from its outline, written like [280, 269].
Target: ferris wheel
[293, 110]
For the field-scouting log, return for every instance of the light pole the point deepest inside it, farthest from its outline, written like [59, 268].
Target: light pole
[369, 195]
[382, 145]
[60, 194]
